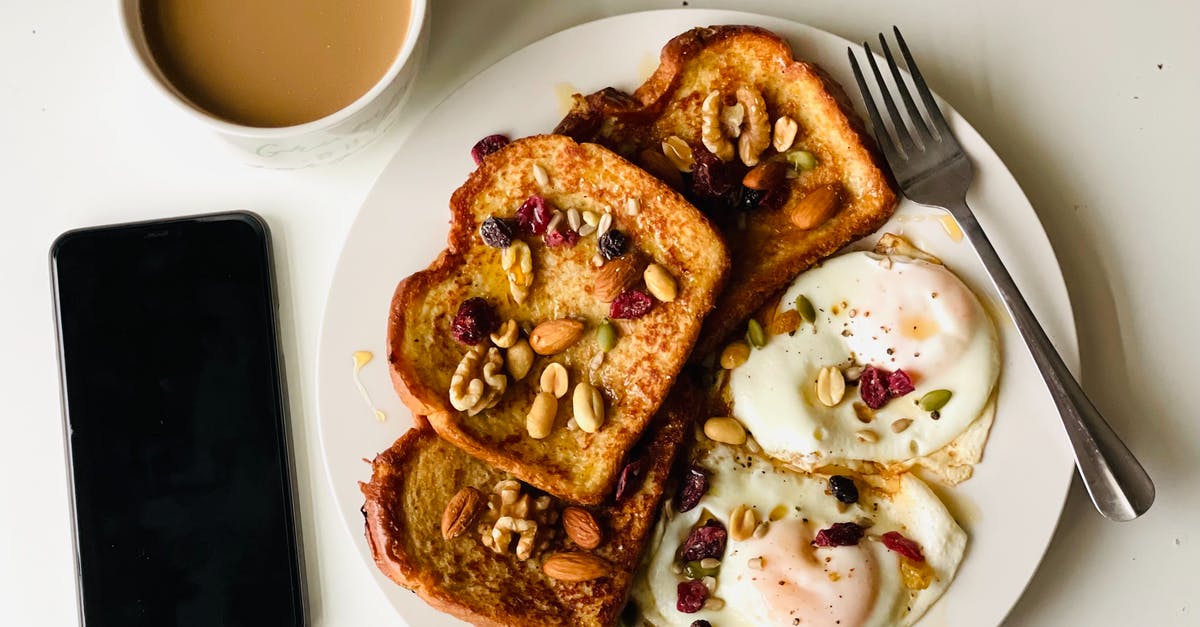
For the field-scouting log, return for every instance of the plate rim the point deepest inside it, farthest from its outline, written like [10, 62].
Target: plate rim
[698, 16]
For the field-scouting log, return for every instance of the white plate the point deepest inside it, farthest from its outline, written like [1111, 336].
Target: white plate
[1009, 508]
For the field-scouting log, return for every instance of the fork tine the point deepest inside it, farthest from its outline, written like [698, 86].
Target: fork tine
[881, 132]
[935, 114]
[914, 115]
[902, 134]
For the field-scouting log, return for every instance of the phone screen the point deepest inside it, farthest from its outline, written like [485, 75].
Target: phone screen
[176, 424]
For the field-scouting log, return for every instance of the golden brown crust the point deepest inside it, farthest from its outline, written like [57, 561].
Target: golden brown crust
[769, 252]
[634, 376]
[413, 480]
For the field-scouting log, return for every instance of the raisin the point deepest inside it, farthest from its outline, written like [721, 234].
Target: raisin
[561, 237]
[899, 383]
[695, 484]
[692, 595]
[630, 479]
[534, 215]
[707, 540]
[630, 304]
[843, 489]
[750, 199]
[700, 623]
[774, 199]
[895, 541]
[715, 185]
[496, 232]
[872, 387]
[613, 244]
[839, 534]
[474, 321]
[487, 146]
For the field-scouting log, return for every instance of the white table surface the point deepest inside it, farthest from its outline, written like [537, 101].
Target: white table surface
[1091, 104]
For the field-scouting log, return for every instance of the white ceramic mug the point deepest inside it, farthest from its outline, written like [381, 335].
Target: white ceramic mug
[321, 141]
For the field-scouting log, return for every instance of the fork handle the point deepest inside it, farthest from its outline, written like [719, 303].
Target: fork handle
[1119, 486]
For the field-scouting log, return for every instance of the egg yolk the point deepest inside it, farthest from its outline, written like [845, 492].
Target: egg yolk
[821, 587]
[919, 317]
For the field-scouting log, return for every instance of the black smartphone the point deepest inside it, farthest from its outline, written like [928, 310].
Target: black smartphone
[176, 424]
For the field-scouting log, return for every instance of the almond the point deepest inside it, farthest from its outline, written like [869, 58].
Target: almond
[575, 566]
[581, 527]
[554, 336]
[617, 276]
[460, 512]
[765, 176]
[818, 206]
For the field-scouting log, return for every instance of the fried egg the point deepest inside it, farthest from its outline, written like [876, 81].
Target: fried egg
[890, 312]
[777, 576]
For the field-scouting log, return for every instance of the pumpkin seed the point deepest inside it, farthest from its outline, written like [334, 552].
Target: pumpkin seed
[935, 400]
[755, 334]
[606, 336]
[802, 159]
[806, 309]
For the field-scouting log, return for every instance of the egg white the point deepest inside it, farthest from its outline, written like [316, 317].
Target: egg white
[859, 585]
[893, 312]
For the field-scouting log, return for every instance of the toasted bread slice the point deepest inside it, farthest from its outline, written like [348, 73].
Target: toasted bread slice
[412, 483]
[632, 378]
[767, 248]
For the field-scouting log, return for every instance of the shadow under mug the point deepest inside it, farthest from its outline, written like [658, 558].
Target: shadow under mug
[324, 140]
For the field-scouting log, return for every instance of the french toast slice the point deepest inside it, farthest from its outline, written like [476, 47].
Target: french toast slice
[819, 206]
[413, 482]
[495, 414]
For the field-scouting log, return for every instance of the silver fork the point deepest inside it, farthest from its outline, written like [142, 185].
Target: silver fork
[932, 169]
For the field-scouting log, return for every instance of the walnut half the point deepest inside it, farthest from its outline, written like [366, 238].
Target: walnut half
[513, 513]
[756, 133]
[479, 381]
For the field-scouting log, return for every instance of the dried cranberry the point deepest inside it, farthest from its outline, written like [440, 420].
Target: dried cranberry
[872, 387]
[899, 383]
[487, 146]
[843, 489]
[707, 540]
[474, 321]
[839, 534]
[695, 484]
[561, 237]
[630, 304]
[630, 479]
[895, 541]
[715, 184]
[534, 215]
[692, 595]
[613, 244]
[496, 232]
